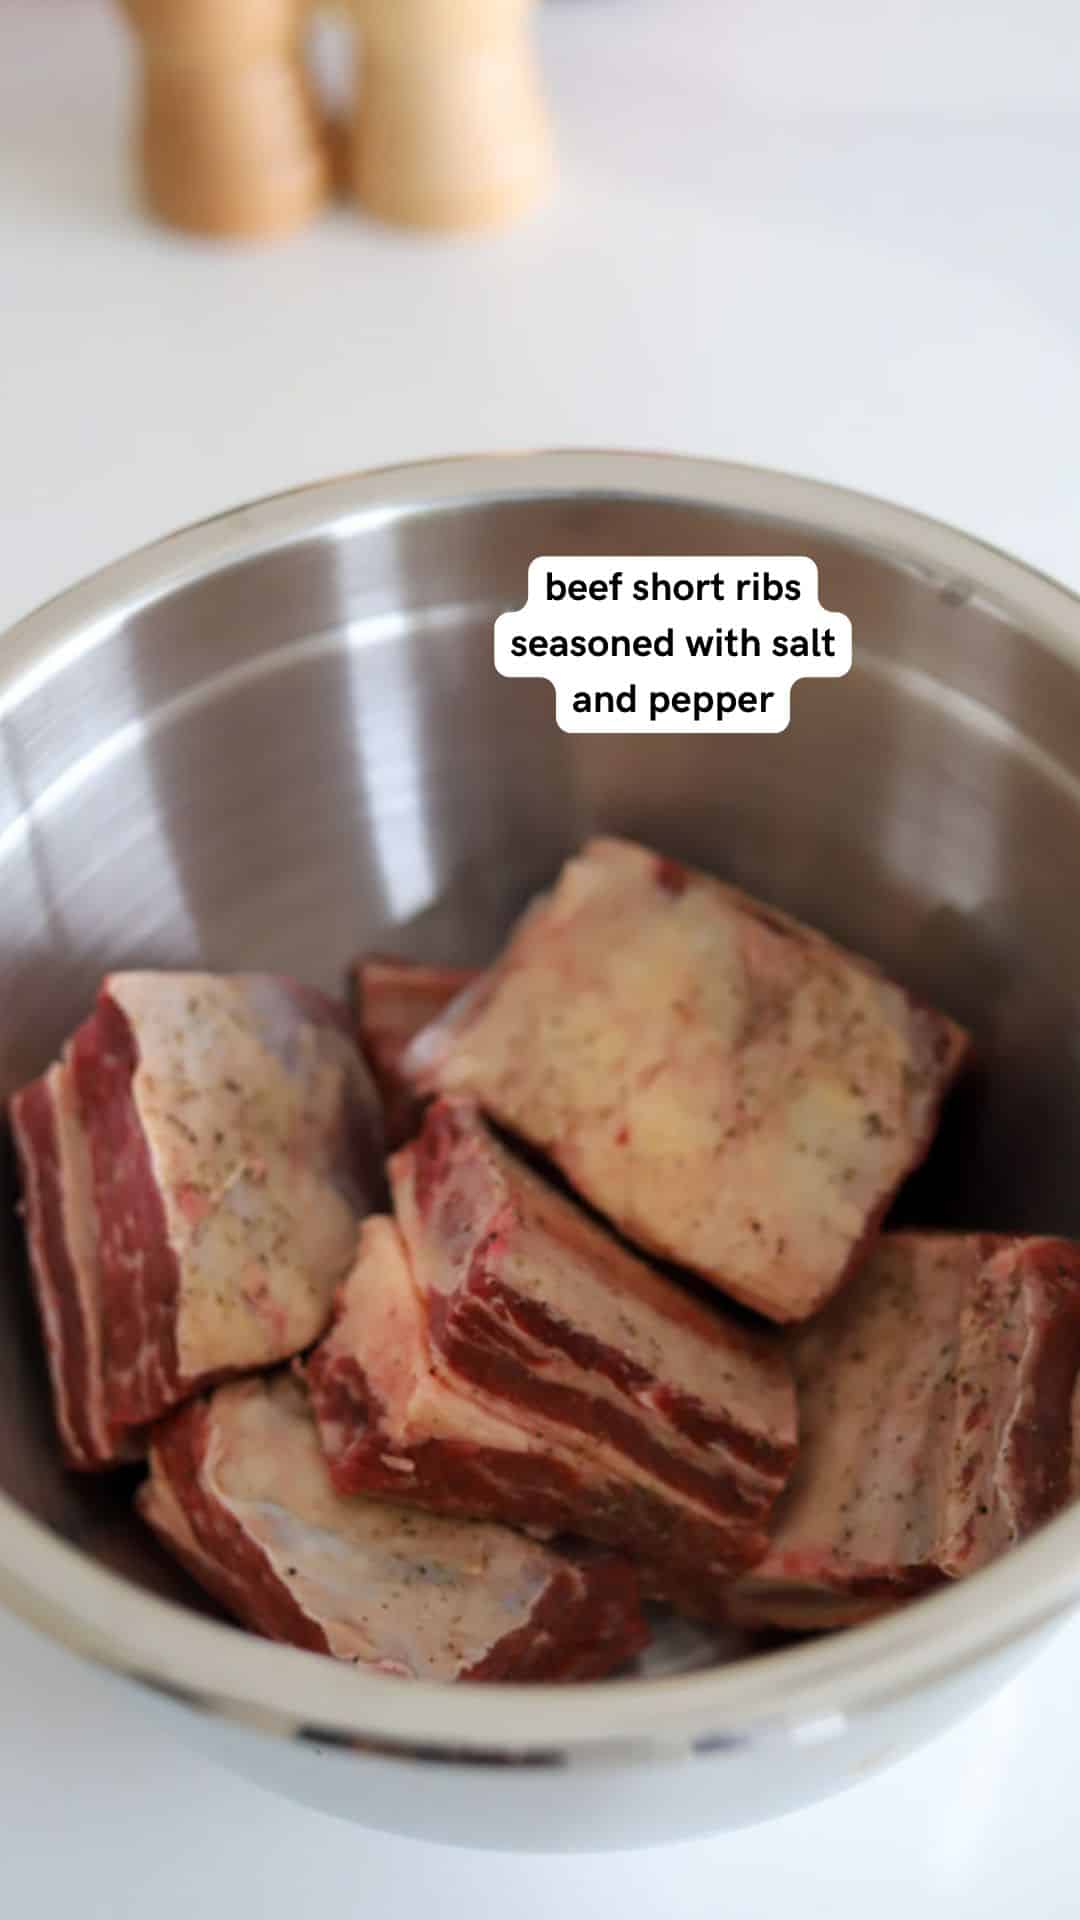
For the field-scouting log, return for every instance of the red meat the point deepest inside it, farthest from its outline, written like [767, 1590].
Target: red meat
[495, 1353]
[732, 1090]
[193, 1173]
[394, 1000]
[239, 1492]
[937, 1407]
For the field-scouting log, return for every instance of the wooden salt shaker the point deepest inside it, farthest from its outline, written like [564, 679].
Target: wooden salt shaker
[451, 128]
[230, 136]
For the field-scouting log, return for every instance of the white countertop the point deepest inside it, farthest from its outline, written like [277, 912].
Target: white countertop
[809, 237]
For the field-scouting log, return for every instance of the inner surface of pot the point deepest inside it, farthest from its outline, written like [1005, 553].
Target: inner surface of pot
[308, 752]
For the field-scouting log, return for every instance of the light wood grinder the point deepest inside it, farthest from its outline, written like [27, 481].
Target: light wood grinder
[449, 129]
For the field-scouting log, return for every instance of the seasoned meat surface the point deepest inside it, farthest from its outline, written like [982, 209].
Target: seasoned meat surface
[239, 1491]
[732, 1090]
[936, 1406]
[194, 1171]
[496, 1352]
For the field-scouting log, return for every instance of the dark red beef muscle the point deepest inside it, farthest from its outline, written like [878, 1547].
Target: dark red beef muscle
[937, 1403]
[496, 1353]
[239, 1491]
[194, 1171]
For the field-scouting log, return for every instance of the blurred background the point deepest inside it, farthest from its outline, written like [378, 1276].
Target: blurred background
[837, 238]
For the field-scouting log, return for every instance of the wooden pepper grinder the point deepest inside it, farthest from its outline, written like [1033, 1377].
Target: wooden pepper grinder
[451, 128]
[231, 140]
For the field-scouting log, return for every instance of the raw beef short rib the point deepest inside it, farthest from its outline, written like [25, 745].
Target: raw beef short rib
[937, 1400]
[61, 1238]
[194, 1169]
[496, 1353]
[729, 1088]
[239, 1492]
[395, 999]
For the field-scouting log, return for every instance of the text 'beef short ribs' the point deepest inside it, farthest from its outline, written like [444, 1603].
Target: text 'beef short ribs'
[937, 1398]
[731, 1089]
[395, 999]
[194, 1169]
[496, 1353]
[238, 1490]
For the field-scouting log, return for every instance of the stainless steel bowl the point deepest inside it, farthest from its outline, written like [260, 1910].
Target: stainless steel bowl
[277, 738]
